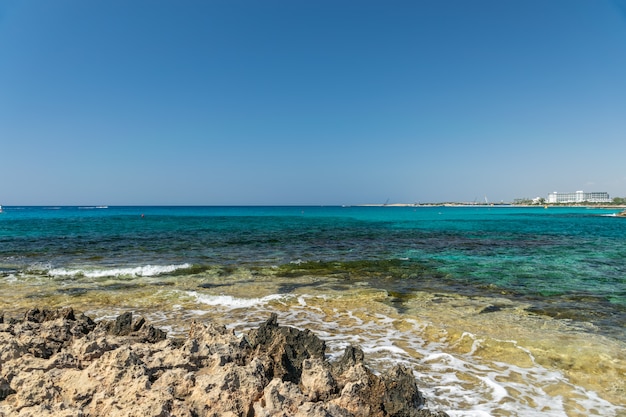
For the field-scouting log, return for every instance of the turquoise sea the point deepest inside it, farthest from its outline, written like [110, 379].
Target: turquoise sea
[503, 311]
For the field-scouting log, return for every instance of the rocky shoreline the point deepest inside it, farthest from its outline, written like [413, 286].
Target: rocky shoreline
[60, 363]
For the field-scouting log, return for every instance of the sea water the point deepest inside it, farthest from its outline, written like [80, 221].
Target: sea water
[501, 311]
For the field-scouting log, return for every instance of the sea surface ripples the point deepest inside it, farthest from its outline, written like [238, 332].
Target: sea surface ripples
[492, 307]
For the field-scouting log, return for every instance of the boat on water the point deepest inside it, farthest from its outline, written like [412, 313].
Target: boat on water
[0, 209]
[621, 214]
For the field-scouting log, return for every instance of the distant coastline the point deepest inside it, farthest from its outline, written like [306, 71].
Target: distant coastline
[453, 204]
[439, 204]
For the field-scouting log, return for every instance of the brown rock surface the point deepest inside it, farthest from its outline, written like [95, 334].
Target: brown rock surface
[57, 363]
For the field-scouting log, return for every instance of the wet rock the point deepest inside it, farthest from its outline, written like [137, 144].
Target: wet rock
[286, 347]
[401, 397]
[39, 316]
[351, 356]
[56, 363]
[124, 325]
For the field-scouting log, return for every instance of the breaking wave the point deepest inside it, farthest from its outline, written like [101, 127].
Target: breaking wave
[229, 301]
[138, 271]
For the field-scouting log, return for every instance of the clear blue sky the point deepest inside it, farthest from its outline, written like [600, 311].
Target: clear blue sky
[309, 102]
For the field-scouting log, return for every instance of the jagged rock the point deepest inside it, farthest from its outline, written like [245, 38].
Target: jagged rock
[287, 348]
[56, 363]
[317, 381]
[351, 356]
[124, 325]
[401, 397]
[39, 316]
[280, 398]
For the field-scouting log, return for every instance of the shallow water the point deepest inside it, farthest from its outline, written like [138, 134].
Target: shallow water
[499, 311]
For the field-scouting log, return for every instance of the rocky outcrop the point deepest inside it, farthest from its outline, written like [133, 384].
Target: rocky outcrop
[58, 363]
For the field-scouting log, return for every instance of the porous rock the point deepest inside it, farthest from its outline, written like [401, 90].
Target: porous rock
[58, 363]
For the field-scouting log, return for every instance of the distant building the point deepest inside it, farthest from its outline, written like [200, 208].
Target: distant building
[579, 197]
[538, 200]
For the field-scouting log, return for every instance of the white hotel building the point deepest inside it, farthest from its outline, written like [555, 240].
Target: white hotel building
[579, 197]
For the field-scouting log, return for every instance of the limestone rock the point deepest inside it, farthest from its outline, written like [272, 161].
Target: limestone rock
[57, 363]
[286, 348]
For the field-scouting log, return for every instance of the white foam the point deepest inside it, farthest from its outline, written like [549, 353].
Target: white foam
[498, 392]
[139, 271]
[385, 348]
[11, 278]
[234, 302]
[464, 413]
[302, 301]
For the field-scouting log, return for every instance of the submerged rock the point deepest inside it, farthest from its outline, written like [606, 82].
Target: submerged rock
[57, 363]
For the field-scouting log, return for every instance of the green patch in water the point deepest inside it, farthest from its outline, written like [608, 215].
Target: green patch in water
[73, 291]
[227, 270]
[359, 269]
[163, 284]
[119, 286]
[293, 287]
[192, 270]
[212, 285]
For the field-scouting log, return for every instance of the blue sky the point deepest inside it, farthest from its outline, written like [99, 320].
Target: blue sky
[310, 102]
